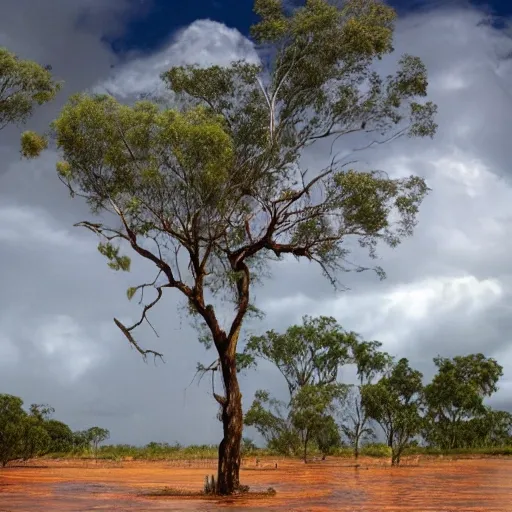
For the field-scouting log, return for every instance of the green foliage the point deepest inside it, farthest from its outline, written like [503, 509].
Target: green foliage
[309, 357]
[505, 450]
[81, 440]
[494, 428]
[370, 362]
[244, 361]
[327, 436]
[306, 354]
[23, 85]
[158, 451]
[116, 262]
[35, 440]
[12, 418]
[287, 442]
[395, 404]
[61, 436]
[378, 450]
[131, 292]
[310, 410]
[176, 452]
[96, 435]
[268, 416]
[26, 435]
[220, 176]
[454, 400]
[138, 140]
[41, 412]
[32, 144]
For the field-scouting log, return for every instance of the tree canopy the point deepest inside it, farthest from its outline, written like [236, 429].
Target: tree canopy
[309, 357]
[23, 85]
[311, 410]
[394, 402]
[456, 395]
[307, 354]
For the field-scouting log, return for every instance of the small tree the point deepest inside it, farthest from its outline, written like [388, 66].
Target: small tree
[494, 428]
[310, 410]
[97, 435]
[213, 190]
[81, 440]
[395, 404]
[355, 422]
[370, 362]
[456, 395]
[270, 418]
[60, 436]
[310, 354]
[328, 437]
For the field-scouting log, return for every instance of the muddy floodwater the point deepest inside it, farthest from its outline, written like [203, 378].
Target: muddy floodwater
[419, 485]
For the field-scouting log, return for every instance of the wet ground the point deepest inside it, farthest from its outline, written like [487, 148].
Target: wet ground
[418, 486]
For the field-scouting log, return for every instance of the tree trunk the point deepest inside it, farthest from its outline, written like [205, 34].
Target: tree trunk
[390, 438]
[228, 476]
[395, 458]
[306, 440]
[356, 449]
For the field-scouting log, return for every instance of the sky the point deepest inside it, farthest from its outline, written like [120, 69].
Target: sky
[448, 289]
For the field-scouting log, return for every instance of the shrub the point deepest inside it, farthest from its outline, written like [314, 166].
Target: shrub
[376, 450]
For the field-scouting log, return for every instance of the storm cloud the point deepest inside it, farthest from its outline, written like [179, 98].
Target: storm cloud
[448, 288]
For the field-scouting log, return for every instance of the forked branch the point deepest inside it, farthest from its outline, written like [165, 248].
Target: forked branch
[144, 352]
[203, 370]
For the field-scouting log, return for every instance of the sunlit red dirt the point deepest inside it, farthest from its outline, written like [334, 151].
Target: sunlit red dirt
[419, 485]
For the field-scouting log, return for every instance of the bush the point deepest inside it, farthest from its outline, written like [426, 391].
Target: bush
[344, 451]
[61, 436]
[376, 450]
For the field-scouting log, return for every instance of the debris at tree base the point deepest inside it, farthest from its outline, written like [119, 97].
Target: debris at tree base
[207, 493]
[209, 485]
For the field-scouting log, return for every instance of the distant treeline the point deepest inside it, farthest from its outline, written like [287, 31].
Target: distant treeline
[323, 415]
[34, 433]
[27, 434]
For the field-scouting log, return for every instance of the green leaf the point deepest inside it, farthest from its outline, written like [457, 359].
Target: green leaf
[23, 85]
[131, 292]
[116, 262]
[32, 144]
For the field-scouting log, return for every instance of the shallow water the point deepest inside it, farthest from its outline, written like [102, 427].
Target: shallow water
[429, 485]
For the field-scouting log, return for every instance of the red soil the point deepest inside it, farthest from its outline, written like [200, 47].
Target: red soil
[419, 485]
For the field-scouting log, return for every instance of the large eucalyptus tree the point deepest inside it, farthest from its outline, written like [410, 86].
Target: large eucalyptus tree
[217, 181]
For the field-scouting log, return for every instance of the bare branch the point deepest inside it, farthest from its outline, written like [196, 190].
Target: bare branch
[263, 90]
[101, 230]
[143, 352]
